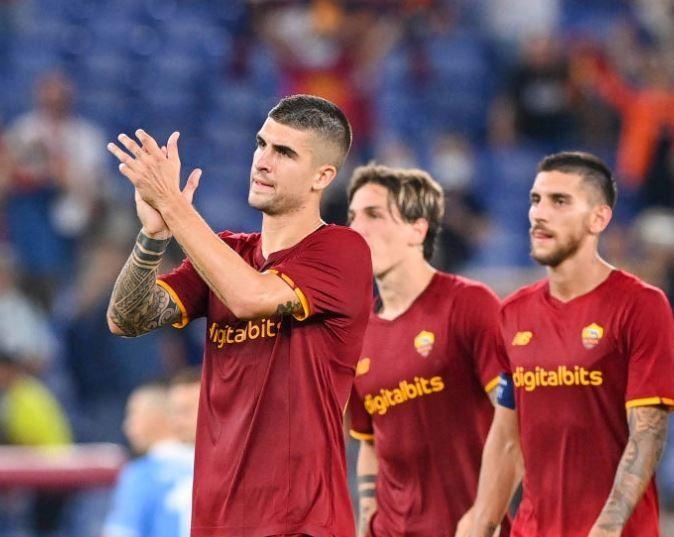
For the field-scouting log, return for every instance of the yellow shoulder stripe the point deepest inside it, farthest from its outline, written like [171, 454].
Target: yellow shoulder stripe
[650, 401]
[361, 436]
[492, 384]
[306, 310]
[184, 321]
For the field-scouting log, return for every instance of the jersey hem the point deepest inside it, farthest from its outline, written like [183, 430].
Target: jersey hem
[306, 309]
[650, 401]
[492, 383]
[361, 436]
[184, 318]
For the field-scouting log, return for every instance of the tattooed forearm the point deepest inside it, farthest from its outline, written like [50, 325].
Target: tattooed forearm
[367, 502]
[289, 308]
[648, 431]
[138, 304]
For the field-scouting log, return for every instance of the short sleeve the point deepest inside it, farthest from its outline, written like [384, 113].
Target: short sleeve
[649, 340]
[128, 514]
[188, 290]
[332, 274]
[482, 332]
[361, 421]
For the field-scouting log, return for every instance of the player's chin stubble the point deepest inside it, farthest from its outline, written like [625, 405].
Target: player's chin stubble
[557, 256]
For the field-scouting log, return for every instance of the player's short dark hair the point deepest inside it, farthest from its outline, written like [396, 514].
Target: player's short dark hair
[308, 112]
[186, 375]
[414, 192]
[590, 167]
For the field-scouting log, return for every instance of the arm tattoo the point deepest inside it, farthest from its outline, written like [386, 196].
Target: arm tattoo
[648, 431]
[289, 308]
[138, 304]
[367, 502]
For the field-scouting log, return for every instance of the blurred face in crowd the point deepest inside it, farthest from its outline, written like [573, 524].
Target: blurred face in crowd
[390, 238]
[289, 168]
[55, 95]
[184, 401]
[566, 215]
[147, 419]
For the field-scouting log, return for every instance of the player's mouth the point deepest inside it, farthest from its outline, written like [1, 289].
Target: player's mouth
[262, 185]
[540, 234]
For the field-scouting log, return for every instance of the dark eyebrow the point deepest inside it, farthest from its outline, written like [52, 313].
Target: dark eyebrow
[279, 148]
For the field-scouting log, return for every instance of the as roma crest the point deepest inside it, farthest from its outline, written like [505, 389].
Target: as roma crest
[592, 335]
[423, 343]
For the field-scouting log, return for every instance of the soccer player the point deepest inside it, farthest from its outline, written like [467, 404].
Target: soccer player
[420, 405]
[152, 496]
[286, 312]
[589, 375]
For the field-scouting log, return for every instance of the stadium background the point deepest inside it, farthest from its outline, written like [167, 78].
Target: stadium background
[474, 91]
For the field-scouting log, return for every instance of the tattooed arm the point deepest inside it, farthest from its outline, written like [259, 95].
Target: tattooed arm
[648, 431]
[155, 174]
[138, 304]
[366, 469]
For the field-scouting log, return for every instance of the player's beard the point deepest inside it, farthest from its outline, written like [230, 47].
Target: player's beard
[273, 205]
[559, 254]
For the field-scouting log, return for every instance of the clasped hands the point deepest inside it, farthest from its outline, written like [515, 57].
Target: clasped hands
[154, 171]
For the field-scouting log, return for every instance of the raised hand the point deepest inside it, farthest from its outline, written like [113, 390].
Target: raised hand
[155, 173]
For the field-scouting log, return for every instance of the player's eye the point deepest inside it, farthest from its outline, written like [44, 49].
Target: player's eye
[259, 142]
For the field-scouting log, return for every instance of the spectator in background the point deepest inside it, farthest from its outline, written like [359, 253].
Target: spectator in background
[453, 166]
[153, 494]
[645, 157]
[330, 49]
[31, 416]
[54, 185]
[24, 329]
[540, 93]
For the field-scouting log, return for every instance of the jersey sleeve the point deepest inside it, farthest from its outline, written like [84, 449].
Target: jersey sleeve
[482, 333]
[361, 421]
[188, 290]
[127, 516]
[649, 338]
[332, 274]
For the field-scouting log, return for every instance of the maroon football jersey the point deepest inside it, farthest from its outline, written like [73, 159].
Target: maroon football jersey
[576, 366]
[270, 449]
[420, 395]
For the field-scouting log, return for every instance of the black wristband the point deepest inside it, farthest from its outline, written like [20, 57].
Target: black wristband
[152, 246]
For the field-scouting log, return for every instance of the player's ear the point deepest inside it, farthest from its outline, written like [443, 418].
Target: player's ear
[599, 218]
[419, 231]
[324, 176]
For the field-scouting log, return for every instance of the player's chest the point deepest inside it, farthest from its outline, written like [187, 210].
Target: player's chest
[588, 338]
[422, 353]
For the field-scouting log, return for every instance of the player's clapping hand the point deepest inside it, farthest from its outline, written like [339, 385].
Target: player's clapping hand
[154, 173]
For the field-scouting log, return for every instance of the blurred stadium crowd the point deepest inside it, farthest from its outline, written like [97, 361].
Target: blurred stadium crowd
[476, 92]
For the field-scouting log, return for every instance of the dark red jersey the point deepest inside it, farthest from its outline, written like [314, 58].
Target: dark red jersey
[576, 367]
[420, 394]
[270, 449]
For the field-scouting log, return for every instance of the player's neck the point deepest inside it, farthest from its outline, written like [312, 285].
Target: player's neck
[284, 231]
[401, 286]
[577, 276]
